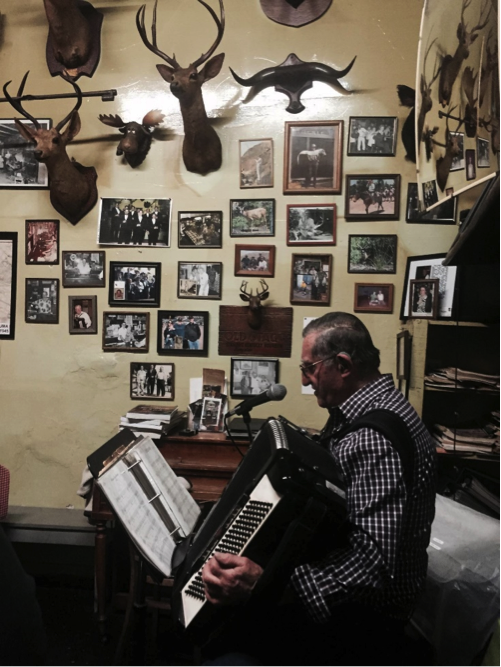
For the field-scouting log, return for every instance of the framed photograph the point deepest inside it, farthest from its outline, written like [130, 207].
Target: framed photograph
[311, 277]
[444, 214]
[126, 332]
[483, 153]
[471, 170]
[42, 241]
[211, 413]
[135, 284]
[154, 382]
[199, 281]
[18, 167]
[128, 221]
[372, 135]
[252, 376]
[256, 163]
[200, 229]
[372, 253]
[404, 348]
[430, 267]
[423, 298]
[183, 332]
[430, 194]
[312, 157]
[458, 160]
[311, 224]
[373, 298]
[82, 312]
[372, 197]
[8, 281]
[84, 268]
[252, 217]
[42, 301]
[255, 260]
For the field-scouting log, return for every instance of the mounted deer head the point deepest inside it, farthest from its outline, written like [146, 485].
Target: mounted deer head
[254, 311]
[72, 187]
[201, 145]
[452, 149]
[136, 141]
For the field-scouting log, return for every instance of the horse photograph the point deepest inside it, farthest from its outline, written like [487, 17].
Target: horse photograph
[375, 197]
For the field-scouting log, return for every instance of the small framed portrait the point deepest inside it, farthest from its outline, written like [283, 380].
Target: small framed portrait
[372, 135]
[42, 241]
[8, 283]
[252, 376]
[200, 229]
[18, 167]
[42, 301]
[373, 298]
[444, 214]
[311, 224]
[252, 217]
[82, 313]
[471, 169]
[423, 298]
[430, 267]
[135, 284]
[312, 157]
[483, 153]
[153, 382]
[84, 268]
[372, 197]
[458, 159]
[430, 194]
[143, 223]
[372, 253]
[256, 163]
[183, 332]
[211, 415]
[255, 260]
[199, 281]
[126, 332]
[311, 277]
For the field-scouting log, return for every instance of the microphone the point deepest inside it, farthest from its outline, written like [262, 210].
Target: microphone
[274, 393]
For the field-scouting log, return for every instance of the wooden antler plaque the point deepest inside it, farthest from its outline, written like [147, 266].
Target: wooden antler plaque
[273, 339]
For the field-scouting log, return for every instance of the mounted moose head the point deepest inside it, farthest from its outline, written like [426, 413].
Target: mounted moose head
[254, 311]
[136, 141]
[73, 190]
[201, 145]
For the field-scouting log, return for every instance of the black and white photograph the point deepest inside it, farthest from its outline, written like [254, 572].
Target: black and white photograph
[372, 135]
[430, 267]
[150, 381]
[42, 301]
[82, 313]
[42, 241]
[183, 332]
[256, 163]
[458, 158]
[144, 223]
[444, 214]
[18, 166]
[311, 277]
[252, 217]
[483, 156]
[471, 169]
[372, 253]
[135, 284]
[84, 268]
[200, 229]
[255, 260]
[252, 376]
[372, 197]
[423, 297]
[210, 419]
[202, 280]
[311, 224]
[8, 283]
[430, 193]
[126, 332]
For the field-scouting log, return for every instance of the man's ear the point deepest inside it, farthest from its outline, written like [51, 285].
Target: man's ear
[344, 363]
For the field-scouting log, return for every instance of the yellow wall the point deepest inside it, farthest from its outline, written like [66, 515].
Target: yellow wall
[61, 396]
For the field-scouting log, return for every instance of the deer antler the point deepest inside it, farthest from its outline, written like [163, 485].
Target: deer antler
[17, 103]
[152, 46]
[77, 106]
[220, 31]
[243, 288]
[261, 294]
[479, 26]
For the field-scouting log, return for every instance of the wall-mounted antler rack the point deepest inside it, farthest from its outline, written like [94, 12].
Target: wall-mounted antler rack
[105, 95]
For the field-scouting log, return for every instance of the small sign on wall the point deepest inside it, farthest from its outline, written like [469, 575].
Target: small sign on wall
[272, 339]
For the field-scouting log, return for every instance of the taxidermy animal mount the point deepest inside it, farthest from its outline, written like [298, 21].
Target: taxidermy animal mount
[74, 41]
[201, 146]
[254, 310]
[136, 141]
[73, 190]
[292, 78]
[295, 13]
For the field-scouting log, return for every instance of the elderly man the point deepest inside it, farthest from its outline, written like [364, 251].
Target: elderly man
[349, 607]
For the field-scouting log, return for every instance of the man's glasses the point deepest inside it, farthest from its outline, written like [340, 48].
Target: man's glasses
[306, 369]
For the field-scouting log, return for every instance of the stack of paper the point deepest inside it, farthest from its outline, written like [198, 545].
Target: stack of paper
[481, 439]
[461, 379]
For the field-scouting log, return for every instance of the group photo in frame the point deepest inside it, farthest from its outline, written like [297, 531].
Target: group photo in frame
[311, 277]
[42, 241]
[444, 214]
[200, 229]
[373, 298]
[42, 301]
[423, 298]
[126, 331]
[311, 224]
[372, 253]
[82, 314]
[252, 217]
[8, 284]
[135, 284]
[127, 221]
[252, 375]
[372, 196]
[84, 268]
[183, 333]
[255, 260]
[313, 157]
[18, 167]
[372, 135]
[201, 280]
[152, 381]
[430, 267]
[256, 163]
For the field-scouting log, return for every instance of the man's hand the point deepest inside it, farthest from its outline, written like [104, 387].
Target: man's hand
[229, 579]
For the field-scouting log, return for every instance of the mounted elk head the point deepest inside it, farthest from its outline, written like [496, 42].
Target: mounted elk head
[452, 147]
[201, 145]
[73, 190]
[136, 141]
[254, 311]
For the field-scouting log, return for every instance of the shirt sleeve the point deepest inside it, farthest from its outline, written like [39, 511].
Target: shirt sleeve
[375, 497]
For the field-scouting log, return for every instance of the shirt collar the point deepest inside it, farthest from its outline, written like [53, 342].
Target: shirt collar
[356, 404]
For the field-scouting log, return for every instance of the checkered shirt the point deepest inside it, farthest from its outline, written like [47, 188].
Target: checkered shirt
[384, 563]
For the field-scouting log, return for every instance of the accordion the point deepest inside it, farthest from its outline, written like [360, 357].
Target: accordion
[286, 487]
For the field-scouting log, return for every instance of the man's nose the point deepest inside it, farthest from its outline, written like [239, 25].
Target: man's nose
[305, 380]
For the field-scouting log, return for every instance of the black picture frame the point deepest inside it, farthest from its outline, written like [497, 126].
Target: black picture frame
[171, 333]
[264, 369]
[471, 164]
[200, 229]
[84, 320]
[134, 284]
[126, 331]
[84, 268]
[372, 197]
[42, 301]
[252, 217]
[151, 387]
[458, 162]
[42, 242]
[25, 174]
[483, 153]
[119, 223]
[8, 284]
[444, 214]
[199, 280]
[372, 135]
[429, 267]
[372, 253]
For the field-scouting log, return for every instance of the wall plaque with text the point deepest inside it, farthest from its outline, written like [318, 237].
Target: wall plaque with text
[272, 339]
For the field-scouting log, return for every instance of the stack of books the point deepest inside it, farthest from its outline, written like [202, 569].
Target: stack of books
[456, 378]
[479, 440]
[154, 420]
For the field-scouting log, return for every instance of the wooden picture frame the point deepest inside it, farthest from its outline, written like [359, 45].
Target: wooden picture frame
[372, 253]
[256, 163]
[135, 222]
[423, 298]
[373, 298]
[200, 229]
[82, 314]
[428, 267]
[199, 280]
[42, 301]
[311, 278]
[8, 284]
[255, 260]
[135, 284]
[126, 331]
[372, 135]
[252, 217]
[25, 174]
[372, 197]
[174, 340]
[252, 375]
[444, 214]
[145, 383]
[42, 242]
[311, 224]
[84, 268]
